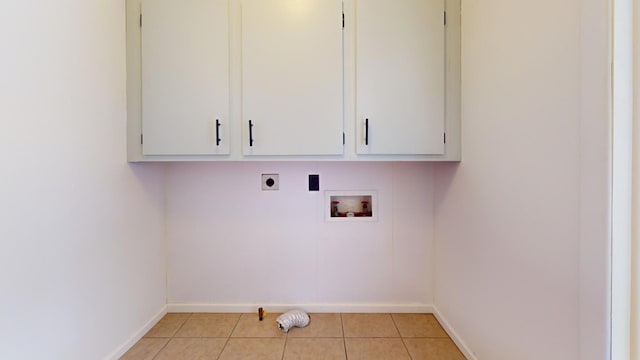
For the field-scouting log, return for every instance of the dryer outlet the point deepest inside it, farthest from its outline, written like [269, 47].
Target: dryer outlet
[270, 182]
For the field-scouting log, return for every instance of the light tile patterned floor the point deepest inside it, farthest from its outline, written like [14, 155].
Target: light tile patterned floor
[329, 336]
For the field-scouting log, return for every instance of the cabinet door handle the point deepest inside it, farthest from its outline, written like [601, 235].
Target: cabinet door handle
[366, 132]
[250, 133]
[218, 132]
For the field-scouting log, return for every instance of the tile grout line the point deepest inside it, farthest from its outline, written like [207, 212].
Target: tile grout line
[393, 320]
[162, 348]
[344, 338]
[284, 349]
[286, 340]
[172, 336]
[235, 326]
[182, 325]
[229, 337]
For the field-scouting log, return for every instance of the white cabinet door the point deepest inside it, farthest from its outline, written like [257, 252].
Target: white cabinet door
[400, 70]
[292, 91]
[185, 77]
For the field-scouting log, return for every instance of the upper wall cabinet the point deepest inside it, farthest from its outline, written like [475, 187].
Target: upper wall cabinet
[352, 80]
[400, 70]
[185, 77]
[292, 77]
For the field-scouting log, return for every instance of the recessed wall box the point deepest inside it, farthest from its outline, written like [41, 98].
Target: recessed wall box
[314, 182]
[351, 205]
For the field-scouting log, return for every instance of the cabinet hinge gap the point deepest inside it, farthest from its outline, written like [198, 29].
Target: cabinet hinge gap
[343, 20]
[141, 139]
[343, 138]
[445, 138]
[140, 20]
[445, 18]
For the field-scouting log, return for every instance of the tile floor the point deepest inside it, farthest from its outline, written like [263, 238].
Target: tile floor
[329, 336]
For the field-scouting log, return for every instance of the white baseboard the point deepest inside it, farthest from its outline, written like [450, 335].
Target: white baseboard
[454, 335]
[137, 335]
[313, 308]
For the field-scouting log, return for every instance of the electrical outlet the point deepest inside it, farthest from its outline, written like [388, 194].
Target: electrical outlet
[270, 182]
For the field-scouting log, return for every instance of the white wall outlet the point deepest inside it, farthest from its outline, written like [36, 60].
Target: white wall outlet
[270, 182]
